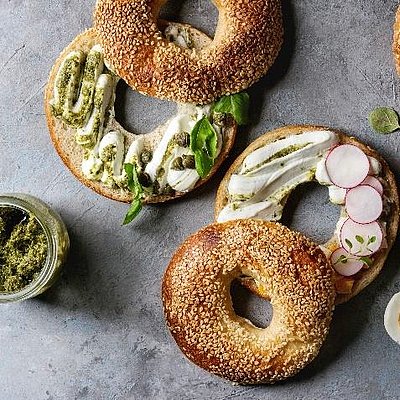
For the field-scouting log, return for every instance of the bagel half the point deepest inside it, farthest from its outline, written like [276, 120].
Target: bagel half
[365, 276]
[72, 154]
[247, 41]
[298, 282]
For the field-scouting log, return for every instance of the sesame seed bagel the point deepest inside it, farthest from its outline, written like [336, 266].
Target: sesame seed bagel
[63, 136]
[247, 40]
[198, 307]
[347, 287]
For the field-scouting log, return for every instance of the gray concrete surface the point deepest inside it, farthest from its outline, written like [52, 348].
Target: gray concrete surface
[99, 333]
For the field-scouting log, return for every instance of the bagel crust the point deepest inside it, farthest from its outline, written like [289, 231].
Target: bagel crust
[298, 281]
[396, 41]
[248, 38]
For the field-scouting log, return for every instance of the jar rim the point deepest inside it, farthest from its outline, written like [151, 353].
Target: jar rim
[46, 272]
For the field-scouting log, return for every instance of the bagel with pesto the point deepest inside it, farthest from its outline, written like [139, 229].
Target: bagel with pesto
[359, 181]
[164, 164]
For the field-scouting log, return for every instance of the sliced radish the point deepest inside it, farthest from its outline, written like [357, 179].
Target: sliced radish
[374, 182]
[361, 239]
[363, 204]
[347, 166]
[344, 263]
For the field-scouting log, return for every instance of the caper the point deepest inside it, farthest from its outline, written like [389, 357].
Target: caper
[144, 179]
[156, 187]
[182, 139]
[146, 156]
[168, 190]
[188, 161]
[177, 164]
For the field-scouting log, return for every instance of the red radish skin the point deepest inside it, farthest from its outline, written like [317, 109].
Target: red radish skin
[363, 204]
[374, 182]
[344, 263]
[347, 166]
[361, 239]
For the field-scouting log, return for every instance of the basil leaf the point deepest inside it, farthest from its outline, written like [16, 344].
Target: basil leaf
[133, 211]
[203, 143]
[136, 188]
[384, 120]
[133, 181]
[235, 104]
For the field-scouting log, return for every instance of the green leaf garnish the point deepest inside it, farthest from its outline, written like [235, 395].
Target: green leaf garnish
[359, 239]
[384, 120]
[342, 259]
[235, 104]
[203, 143]
[136, 188]
[134, 210]
[348, 243]
[371, 240]
[367, 260]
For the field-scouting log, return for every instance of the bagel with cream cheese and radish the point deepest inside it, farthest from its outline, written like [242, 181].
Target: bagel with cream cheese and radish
[247, 40]
[175, 158]
[359, 180]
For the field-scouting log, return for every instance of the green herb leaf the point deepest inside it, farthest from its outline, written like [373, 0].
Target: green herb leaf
[235, 104]
[371, 240]
[133, 211]
[203, 143]
[384, 120]
[348, 243]
[136, 188]
[359, 239]
[367, 260]
[342, 259]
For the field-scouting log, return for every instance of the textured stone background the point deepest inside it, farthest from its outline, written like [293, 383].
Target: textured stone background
[99, 333]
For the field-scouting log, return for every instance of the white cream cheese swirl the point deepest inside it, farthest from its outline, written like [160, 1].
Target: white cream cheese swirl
[267, 175]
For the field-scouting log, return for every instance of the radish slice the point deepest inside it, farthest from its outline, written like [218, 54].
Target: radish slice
[374, 182]
[363, 204]
[347, 166]
[361, 239]
[344, 263]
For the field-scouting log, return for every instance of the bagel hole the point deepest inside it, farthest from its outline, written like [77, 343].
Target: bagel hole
[308, 210]
[250, 306]
[138, 113]
[201, 14]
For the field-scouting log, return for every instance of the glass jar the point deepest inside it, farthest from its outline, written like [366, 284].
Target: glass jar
[57, 241]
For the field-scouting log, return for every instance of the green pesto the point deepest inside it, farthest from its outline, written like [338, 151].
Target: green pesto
[279, 154]
[108, 153]
[69, 70]
[76, 116]
[23, 249]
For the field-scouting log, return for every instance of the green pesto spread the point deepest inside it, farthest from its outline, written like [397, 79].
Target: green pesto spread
[23, 249]
[279, 154]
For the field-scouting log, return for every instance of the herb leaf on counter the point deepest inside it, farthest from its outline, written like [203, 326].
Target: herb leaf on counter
[136, 188]
[384, 120]
[235, 104]
[203, 143]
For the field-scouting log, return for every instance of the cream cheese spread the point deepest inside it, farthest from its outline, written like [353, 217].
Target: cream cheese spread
[263, 182]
